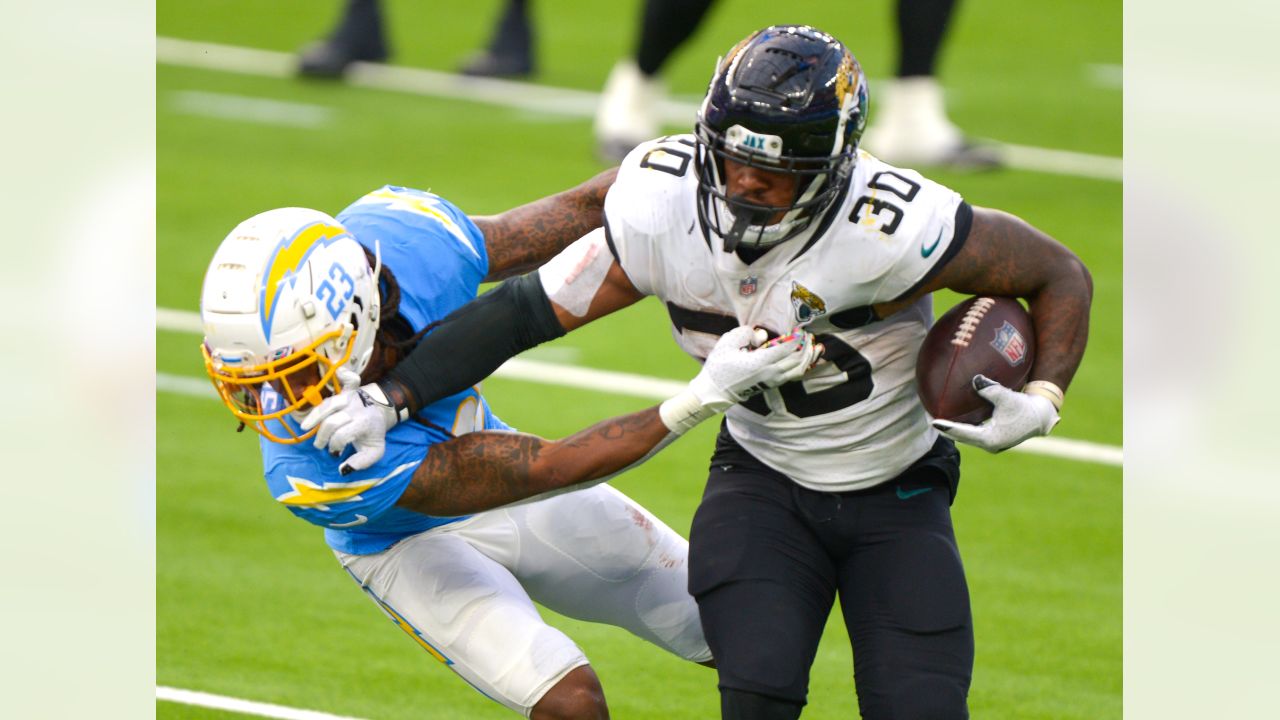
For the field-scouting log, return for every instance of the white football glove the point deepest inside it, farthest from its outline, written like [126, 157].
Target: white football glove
[1017, 417]
[740, 365]
[357, 416]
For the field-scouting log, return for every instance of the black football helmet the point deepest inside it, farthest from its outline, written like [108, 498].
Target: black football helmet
[790, 99]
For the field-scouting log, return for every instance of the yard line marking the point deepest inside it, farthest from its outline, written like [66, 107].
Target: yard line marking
[183, 385]
[179, 321]
[609, 381]
[540, 98]
[1107, 75]
[1062, 162]
[226, 106]
[618, 383]
[244, 707]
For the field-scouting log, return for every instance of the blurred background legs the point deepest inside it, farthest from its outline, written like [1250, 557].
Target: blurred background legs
[510, 50]
[628, 111]
[909, 123]
[358, 36]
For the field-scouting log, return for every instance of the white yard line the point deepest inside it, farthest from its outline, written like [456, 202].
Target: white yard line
[1107, 75]
[1062, 162]
[540, 98]
[250, 109]
[244, 707]
[608, 381]
[179, 321]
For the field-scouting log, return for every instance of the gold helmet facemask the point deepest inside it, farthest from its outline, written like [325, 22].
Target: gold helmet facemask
[257, 394]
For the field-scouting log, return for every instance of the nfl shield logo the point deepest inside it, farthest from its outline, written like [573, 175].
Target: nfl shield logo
[1010, 344]
[747, 286]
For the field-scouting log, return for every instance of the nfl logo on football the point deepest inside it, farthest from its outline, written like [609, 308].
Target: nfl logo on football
[1010, 344]
[747, 286]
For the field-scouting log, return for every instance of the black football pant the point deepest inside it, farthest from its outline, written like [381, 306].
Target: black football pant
[767, 558]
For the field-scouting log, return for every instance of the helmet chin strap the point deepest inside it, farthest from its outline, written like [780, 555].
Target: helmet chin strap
[362, 360]
[377, 272]
[740, 223]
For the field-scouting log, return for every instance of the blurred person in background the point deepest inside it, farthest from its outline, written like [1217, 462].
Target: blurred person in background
[510, 52]
[360, 36]
[910, 126]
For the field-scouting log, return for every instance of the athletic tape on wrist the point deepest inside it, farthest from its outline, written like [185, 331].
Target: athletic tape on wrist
[682, 412]
[1046, 390]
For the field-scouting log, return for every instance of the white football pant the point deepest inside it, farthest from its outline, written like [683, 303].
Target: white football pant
[464, 591]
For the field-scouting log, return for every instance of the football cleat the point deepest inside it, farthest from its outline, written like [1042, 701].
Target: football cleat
[628, 111]
[911, 129]
[331, 58]
[488, 63]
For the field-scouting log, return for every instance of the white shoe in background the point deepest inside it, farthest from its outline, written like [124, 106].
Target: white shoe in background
[628, 111]
[910, 127]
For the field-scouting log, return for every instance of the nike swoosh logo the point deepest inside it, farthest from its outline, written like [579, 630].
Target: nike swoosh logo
[927, 251]
[361, 519]
[908, 494]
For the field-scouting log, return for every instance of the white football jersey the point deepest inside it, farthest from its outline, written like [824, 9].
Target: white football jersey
[854, 420]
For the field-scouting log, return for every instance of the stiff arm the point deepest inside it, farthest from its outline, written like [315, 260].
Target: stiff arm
[581, 284]
[523, 238]
[483, 470]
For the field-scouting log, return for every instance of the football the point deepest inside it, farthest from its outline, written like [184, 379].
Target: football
[990, 336]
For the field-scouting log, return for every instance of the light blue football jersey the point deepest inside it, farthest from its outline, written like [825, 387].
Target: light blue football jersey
[438, 258]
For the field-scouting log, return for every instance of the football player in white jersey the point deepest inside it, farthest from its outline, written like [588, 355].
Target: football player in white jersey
[837, 484]
[296, 305]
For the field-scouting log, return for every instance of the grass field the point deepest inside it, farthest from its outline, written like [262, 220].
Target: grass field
[250, 603]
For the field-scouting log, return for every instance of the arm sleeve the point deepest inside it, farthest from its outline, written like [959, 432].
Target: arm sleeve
[472, 341]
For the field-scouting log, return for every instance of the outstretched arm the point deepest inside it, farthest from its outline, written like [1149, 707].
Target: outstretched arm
[523, 238]
[474, 340]
[468, 345]
[484, 470]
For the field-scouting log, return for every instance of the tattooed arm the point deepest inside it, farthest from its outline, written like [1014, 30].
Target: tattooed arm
[523, 238]
[1004, 255]
[484, 470]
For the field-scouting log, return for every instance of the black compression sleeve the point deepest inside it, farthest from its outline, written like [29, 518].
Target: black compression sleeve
[475, 339]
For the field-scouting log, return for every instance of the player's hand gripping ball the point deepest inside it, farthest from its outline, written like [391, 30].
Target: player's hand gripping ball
[991, 336]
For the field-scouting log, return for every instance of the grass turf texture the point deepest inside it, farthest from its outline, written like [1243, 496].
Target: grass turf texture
[249, 601]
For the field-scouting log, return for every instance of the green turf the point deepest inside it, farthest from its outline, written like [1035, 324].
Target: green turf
[249, 601]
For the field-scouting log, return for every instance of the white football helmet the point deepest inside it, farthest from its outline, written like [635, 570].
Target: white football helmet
[288, 298]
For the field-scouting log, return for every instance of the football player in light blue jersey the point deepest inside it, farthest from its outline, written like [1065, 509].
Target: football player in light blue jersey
[299, 306]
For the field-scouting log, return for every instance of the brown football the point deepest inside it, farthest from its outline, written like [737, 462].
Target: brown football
[991, 336]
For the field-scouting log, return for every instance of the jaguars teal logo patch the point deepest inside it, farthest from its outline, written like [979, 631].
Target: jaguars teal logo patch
[807, 304]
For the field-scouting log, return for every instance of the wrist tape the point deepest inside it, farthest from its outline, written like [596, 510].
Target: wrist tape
[682, 412]
[1046, 390]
